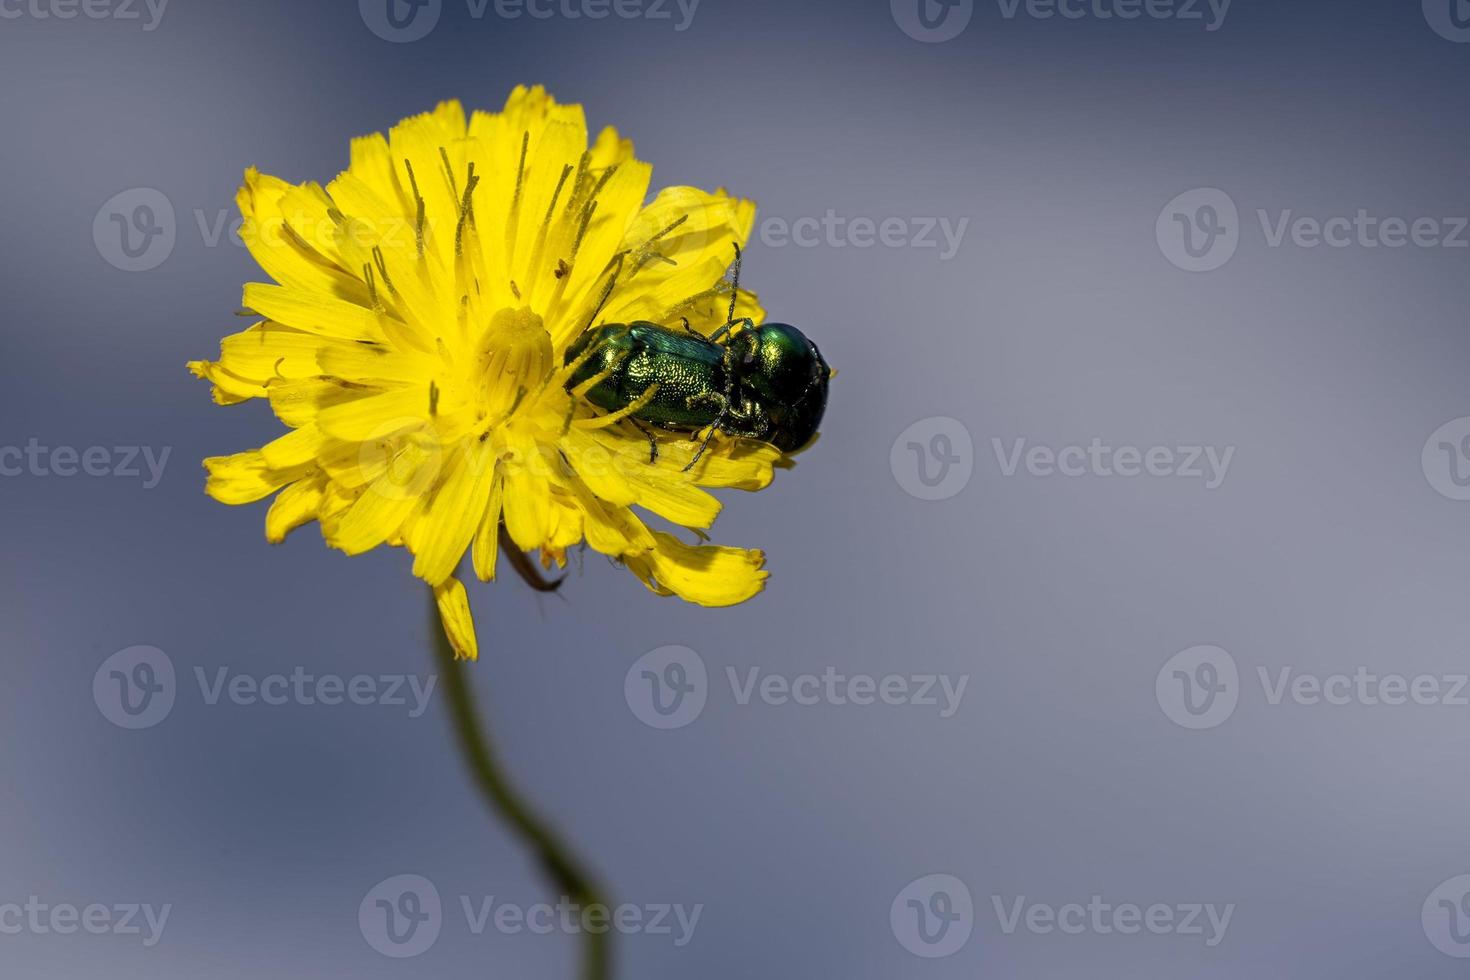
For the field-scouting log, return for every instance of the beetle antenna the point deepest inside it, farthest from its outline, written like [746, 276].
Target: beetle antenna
[744, 321]
[714, 426]
[735, 285]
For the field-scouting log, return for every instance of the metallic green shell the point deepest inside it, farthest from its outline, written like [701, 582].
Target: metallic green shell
[775, 377]
[689, 370]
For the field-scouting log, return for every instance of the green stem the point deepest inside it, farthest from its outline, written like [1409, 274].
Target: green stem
[508, 805]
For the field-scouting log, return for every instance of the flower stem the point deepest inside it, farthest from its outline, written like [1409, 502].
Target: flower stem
[553, 855]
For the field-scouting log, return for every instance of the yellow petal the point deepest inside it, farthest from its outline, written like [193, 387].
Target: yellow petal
[415, 145]
[459, 624]
[337, 500]
[487, 536]
[380, 235]
[454, 514]
[387, 503]
[610, 148]
[611, 529]
[743, 464]
[353, 465]
[245, 477]
[696, 231]
[602, 461]
[687, 224]
[372, 163]
[228, 389]
[709, 575]
[310, 225]
[618, 204]
[295, 448]
[527, 493]
[377, 414]
[374, 363]
[313, 312]
[298, 402]
[560, 145]
[294, 506]
[508, 221]
[671, 497]
[269, 232]
[372, 519]
[618, 471]
[567, 528]
[271, 352]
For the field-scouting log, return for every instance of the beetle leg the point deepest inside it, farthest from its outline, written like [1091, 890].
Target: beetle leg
[719, 424]
[728, 398]
[648, 434]
[719, 401]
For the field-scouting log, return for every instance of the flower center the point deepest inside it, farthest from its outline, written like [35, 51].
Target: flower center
[514, 355]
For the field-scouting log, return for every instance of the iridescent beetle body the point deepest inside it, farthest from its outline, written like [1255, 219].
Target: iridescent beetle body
[766, 382]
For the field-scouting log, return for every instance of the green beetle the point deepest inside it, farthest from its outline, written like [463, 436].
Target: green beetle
[766, 382]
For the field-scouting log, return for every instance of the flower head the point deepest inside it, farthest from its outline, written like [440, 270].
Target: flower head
[414, 343]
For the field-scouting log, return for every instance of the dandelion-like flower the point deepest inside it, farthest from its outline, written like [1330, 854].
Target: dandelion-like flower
[414, 343]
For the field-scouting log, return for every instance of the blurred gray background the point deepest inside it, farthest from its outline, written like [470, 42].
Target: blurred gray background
[1081, 759]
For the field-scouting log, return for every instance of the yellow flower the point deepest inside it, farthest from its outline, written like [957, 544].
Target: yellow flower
[414, 337]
